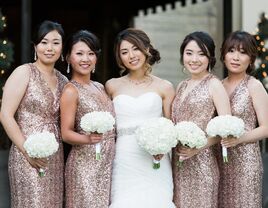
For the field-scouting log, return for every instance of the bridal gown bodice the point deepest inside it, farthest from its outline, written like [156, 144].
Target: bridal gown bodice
[134, 181]
[133, 111]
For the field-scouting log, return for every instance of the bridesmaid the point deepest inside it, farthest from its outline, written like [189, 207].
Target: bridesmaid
[198, 99]
[241, 177]
[31, 104]
[87, 179]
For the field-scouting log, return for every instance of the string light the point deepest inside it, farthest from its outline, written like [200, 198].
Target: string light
[263, 66]
[264, 74]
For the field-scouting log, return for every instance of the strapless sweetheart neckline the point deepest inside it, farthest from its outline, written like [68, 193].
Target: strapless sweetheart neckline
[137, 97]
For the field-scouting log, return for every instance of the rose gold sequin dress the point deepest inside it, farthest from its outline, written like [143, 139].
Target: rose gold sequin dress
[241, 177]
[88, 180]
[196, 182]
[38, 111]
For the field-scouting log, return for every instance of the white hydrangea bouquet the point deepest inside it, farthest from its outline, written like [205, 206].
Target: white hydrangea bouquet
[97, 122]
[190, 135]
[225, 126]
[41, 145]
[157, 136]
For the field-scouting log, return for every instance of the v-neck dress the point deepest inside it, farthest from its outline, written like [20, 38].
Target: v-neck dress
[37, 112]
[241, 177]
[196, 182]
[87, 180]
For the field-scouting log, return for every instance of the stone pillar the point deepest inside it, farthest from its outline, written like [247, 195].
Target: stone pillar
[26, 17]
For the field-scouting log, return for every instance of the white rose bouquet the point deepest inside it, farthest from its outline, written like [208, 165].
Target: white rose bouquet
[157, 136]
[225, 126]
[41, 145]
[97, 122]
[190, 135]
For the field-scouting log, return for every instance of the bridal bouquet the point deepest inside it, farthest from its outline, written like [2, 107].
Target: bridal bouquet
[97, 122]
[157, 136]
[41, 145]
[225, 126]
[190, 135]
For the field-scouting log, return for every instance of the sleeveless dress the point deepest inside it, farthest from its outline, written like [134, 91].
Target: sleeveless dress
[135, 184]
[88, 181]
[37, 112]
[196, 182]
[241, 177]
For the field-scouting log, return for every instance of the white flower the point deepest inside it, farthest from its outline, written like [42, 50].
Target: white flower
[97, 121]
[225, 125]
[157, 136]
[41, 145]
[190, 135]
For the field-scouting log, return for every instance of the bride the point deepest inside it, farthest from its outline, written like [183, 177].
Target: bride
[137, 97]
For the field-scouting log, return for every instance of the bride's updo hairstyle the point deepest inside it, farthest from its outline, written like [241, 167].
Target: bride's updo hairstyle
[142, 42]
[205, 43]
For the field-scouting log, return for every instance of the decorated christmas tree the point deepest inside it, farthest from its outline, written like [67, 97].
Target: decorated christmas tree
[261, 63]
[6, 59]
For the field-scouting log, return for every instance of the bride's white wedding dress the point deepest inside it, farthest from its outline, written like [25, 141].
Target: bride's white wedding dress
[135, 184]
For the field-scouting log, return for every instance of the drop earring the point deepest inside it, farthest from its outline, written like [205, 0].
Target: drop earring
[68, 68]
[93, 71]
[35, 56]
[62, 58]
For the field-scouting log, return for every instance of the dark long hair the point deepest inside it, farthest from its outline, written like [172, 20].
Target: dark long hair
[44, 28]
[205, 43]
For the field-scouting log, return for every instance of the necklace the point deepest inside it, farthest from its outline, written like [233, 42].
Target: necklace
[138, 82]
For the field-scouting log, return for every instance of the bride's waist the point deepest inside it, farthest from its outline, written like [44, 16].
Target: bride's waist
[126, 130]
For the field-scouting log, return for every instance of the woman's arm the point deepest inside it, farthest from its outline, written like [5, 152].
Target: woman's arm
[14, 90]
[260, 102]
[68, 108]
[168, 94]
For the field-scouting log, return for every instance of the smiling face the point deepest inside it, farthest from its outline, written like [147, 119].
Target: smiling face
[82, 58]
[131, 56]
[49, 49]
[237, 60]
[194, 59]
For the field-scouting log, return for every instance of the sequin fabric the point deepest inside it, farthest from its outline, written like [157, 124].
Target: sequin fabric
[241, 177]
[88, 181]
[38, 111]
[196, 182]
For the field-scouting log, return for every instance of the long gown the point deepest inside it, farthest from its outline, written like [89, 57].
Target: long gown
[88, 181]
[135, 184]
[196, 182]
[241, 177]
[38, 111]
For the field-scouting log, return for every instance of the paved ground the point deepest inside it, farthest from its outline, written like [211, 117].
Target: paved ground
[4, 183]
[5, 193]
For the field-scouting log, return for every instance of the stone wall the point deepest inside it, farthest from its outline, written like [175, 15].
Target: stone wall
[168, 26]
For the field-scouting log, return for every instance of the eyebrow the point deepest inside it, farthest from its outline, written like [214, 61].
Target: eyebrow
[52, 39]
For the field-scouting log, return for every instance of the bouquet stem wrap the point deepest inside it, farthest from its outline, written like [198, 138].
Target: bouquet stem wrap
[41, 172]
[98, 151]
[224, 154]
[156, 164]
